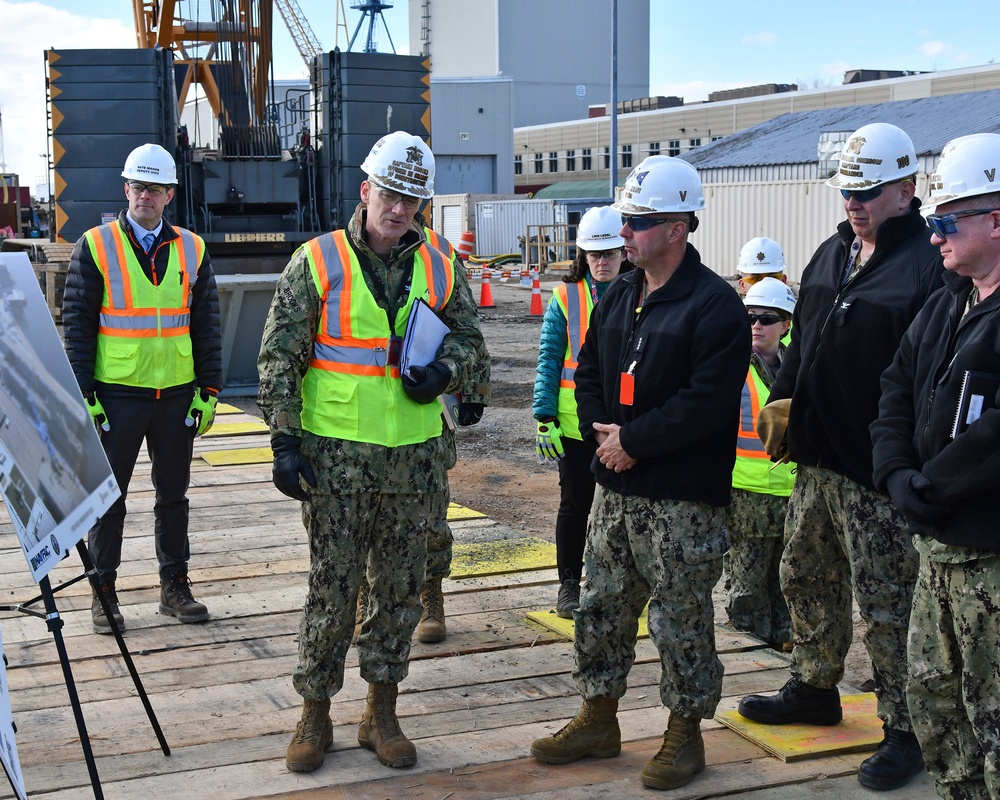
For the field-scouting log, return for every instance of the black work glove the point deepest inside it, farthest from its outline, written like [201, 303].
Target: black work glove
[289, 466]
[469, 413]
[905, 487]
[424, 384]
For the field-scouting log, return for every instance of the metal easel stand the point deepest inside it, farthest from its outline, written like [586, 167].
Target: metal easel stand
[55, 624]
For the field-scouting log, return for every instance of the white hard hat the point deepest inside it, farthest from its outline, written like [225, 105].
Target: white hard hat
[968, 167]
[661, 183]
[770, 293]
[150, 163]
[403, 163]
[761, 255]
[598, 229]
[874, 154]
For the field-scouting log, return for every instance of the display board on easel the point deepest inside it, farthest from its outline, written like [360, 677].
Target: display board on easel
[54, 476]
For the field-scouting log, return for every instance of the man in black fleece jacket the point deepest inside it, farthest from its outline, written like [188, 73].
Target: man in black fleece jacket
[859, 293]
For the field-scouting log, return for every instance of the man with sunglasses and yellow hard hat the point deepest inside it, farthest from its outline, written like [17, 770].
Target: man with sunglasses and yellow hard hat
[141, 329]
[936, 443]
[658, 389]
[844, 538]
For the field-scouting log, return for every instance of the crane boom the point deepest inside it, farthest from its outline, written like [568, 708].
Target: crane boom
[298, 26]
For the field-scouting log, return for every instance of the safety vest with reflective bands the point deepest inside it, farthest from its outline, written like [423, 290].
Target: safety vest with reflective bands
[438, 241]
[576, 303]
[350, 391]
[752, 471]
[144, 335]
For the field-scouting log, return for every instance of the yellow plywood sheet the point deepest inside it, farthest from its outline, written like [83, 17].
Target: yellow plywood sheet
[474, 559]
[860, 730]
[225, 408]
[246, 455]
[457, 512]
[564, 627]
[236, 428]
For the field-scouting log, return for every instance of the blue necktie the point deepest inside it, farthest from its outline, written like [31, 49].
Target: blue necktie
[147, 240]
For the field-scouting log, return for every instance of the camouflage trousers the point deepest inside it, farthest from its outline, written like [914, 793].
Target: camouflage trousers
[754, 602]
[668, 553]
[439, 537]
[954, 689]
[341, 529]
[842, 538]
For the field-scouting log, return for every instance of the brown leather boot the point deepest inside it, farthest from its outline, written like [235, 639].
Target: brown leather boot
[431, 627]
[681, 757]
[592, 732]
[97, 617]
[313, 737]
[379, 728]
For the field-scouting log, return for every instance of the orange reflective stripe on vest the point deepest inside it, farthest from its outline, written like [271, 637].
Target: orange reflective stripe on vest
[748, 443]
[576, 304]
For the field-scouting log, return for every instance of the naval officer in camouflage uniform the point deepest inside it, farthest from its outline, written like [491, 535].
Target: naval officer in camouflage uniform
[843, 538]
[939, 458]
[658, 388]
[359, 443]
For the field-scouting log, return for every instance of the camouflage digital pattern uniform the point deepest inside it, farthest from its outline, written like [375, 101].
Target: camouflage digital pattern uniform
[668, 553]
[839, 533]
[367, 495]
[754, 602]
[954, 687]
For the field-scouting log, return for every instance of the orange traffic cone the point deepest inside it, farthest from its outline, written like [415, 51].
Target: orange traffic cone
[536, 296]
[465, 245]
[485, 292]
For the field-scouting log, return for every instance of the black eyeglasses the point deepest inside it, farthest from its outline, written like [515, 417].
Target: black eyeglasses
[640, 224]
[597, 255]
[867, 195]
[152, 189]
[764, 319]
[944, 225]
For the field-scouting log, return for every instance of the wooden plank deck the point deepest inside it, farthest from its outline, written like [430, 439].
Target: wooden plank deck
[222, 691]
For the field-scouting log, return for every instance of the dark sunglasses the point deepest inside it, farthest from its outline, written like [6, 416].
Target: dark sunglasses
[764, 319]
[640, 224]
[944, 225]
[867, 195]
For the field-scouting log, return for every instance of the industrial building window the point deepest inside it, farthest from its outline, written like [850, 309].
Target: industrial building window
[585, 159]
[538, 163]
[694, 142]
[553, 162]
[654, 148]
[716, 138]
[518, 167]
[674, 147]
[571, 160]
[626, 156]
[607, 157]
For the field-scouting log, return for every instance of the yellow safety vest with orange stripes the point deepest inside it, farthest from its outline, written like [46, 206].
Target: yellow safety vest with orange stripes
[350, 391]
[576, 303]
[752, 471]
[144, 334]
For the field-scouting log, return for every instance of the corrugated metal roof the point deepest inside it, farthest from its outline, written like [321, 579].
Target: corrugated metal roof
[794, 138]
[575, 189]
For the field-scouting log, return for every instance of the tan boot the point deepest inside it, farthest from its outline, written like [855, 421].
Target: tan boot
[313, 737]
[431, 627]
[593, 732]
[681, 757]
[379, 728]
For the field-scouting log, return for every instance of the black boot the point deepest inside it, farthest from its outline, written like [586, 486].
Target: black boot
[176, 600]
[795, 702]
[896, 760]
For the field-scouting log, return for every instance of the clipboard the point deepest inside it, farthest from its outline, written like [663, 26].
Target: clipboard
[423, 337]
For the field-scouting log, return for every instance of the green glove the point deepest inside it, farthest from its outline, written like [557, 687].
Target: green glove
[201, 411]
[548, 440]
[96, 411]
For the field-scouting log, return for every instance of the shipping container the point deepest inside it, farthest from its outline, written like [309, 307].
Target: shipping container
[501, 224]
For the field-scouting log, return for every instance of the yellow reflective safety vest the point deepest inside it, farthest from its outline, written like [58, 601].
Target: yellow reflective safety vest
[350, 391]
[752, 471]
[144, 334]
[576, 303]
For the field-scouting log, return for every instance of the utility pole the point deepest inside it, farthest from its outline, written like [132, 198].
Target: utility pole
[614, 98]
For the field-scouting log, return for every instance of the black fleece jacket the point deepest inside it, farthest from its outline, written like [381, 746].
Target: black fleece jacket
[919, 402]
[844, 337]
[691, 345]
